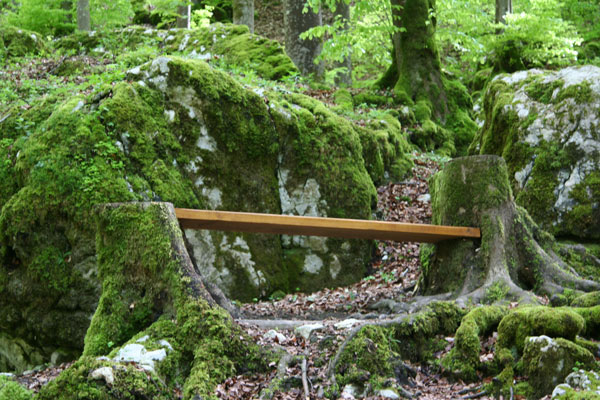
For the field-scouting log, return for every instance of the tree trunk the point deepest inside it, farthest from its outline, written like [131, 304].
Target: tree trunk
[83, 15]
[243, 13]
[503, 7]
[513, 255]
[153, 300]
[182, 19]
[417, 59]
[342, 10]
[302, 52]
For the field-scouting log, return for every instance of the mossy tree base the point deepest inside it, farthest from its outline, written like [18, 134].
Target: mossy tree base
[153, 297]
[513, 258]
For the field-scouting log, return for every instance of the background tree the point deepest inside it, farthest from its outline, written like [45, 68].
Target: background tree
[243, 13]
[415, 73]
[503, 7]
[342, 12]
[84, 21]
[303, 52]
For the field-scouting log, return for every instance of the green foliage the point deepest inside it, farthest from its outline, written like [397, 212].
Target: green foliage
[535, 35]
[106, 14]
[365, 37]
[47, 17]
[536, 38]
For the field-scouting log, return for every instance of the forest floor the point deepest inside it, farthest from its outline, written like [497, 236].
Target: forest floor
[394, 273]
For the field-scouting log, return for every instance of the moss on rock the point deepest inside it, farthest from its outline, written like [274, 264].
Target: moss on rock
[463, 359]
[587, 300]
[11, 390]
[233, 43]
[176, 130]
[542, 123]
[152, 300]
[375, 352]
[547, 362]
[17, 42]
[535, 321]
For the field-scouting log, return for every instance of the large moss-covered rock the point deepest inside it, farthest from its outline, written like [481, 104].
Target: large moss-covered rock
[178, 131]
[16, 42]
[545, 124]
[547, 362]
[232, 43]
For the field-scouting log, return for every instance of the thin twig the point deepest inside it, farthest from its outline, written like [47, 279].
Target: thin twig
[305, 380]
[470, 390]
[475, 396]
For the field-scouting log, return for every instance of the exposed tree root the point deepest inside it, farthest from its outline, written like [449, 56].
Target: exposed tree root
[514, 256]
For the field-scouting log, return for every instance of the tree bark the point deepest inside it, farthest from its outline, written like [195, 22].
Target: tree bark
[83, 15]
[342, 10]
[182, 19]
[243, 13]
[302, 52]
[513, 254]
[417, 58]
[503, 7]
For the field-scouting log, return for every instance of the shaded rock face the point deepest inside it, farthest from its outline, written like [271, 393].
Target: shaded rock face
[175, 130]
[546, 125]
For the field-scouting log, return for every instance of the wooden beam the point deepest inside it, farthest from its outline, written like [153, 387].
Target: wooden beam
[315, 226]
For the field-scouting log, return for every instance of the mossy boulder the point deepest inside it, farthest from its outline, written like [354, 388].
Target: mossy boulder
[548, 361]
[232, 43]
[175, 130]
[587, 300]
[545, 125]
[535, 321]
[16, 42]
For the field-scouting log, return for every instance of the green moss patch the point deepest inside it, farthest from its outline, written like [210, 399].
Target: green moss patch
[535, 321]
[11, 390]
[16, 42]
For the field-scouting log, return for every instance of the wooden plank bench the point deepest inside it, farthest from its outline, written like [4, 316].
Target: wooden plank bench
[316, 226]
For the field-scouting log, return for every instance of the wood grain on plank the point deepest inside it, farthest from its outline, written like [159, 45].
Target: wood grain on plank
[317, 226]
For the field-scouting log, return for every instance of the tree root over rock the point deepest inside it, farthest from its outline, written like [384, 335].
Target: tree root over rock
[514, 256]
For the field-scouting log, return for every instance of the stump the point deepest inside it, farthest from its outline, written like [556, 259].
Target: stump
[157, 330]
[513, 258]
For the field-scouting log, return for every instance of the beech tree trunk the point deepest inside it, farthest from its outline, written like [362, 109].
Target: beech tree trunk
[417, 60]
[342, 10]
[503, 7]
[243, 13]
[182, 20]
[514, 254]
[83, 15]
[302, 52]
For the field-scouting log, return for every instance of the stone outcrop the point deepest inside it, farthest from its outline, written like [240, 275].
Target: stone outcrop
[546, 126]
[176, 130]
